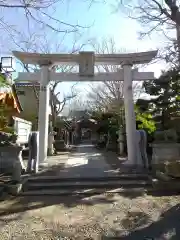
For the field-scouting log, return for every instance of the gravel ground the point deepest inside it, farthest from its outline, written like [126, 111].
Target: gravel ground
[96, 217]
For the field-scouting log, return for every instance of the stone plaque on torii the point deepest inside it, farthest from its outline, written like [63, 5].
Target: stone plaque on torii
[86, 62]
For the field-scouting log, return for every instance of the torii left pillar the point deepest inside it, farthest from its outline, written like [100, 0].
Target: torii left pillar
[130, 114]
[43, 122]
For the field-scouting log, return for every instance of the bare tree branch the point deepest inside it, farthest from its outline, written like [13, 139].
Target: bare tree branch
[33, 43]
[109, 94]
[39, 13]
[162, 16]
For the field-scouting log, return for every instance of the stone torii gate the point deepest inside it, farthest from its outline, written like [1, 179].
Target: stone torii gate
[86, 62]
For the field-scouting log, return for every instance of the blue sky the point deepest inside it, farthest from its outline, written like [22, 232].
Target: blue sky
[107, 24]
[104, 24]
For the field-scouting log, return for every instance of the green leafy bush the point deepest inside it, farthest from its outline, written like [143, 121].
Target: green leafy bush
[145, 121]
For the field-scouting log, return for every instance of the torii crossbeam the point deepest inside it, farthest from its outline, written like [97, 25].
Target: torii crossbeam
[86, 62]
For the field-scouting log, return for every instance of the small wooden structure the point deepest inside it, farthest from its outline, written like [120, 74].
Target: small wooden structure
[85, 128]
[9, 106]
[11, 100]
[28, 95]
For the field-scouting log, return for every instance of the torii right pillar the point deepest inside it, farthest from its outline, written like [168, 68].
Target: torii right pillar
[130, 115]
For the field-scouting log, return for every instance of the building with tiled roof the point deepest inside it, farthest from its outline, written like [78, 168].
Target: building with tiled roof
[28, 95]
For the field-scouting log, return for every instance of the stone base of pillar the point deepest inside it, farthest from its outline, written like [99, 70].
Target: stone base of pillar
[130, 164]
[44, 164]
[132, 168]
[134, 163]
[50, 151]
[51, 144]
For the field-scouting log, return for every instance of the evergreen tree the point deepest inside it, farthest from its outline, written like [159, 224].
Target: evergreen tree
[165, 98]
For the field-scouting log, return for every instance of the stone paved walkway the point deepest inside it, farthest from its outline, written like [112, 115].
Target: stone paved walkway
[86, 161]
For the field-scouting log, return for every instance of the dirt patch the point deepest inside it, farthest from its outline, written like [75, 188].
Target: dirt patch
[96, 217]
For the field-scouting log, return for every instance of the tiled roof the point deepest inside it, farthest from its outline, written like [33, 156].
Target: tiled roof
[18, 84]
[10, 100]
[32, 86]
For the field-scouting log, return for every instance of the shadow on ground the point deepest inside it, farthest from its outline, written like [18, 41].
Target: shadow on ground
[169, 221]
[96, 166]
[167, 227]
[90, 198]
[135, 225]
[19, 205]
[99, 164]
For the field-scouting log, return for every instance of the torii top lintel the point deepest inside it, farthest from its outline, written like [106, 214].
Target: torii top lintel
[114, 59]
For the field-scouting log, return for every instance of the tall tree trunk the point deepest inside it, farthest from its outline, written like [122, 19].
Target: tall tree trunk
[54, 117]
[178, 42]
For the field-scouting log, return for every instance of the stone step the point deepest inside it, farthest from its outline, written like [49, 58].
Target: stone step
[56, 192]
[85, 184]
[2, 188]
[131, 176]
